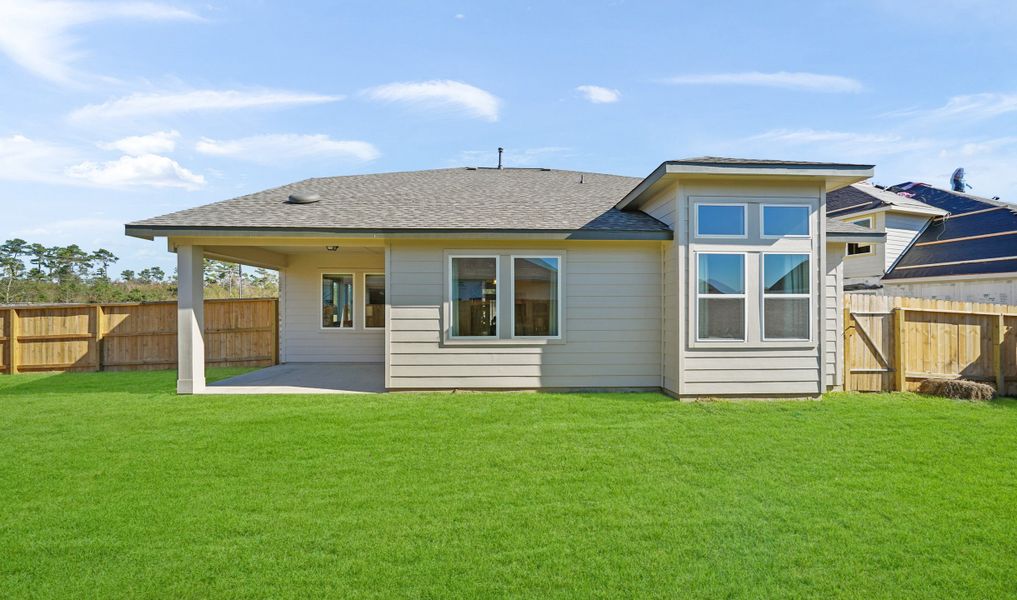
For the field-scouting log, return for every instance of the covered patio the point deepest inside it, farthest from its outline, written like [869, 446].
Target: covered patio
[306, 378]
[337, 356]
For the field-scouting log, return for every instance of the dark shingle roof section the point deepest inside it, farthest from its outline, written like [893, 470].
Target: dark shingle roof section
[850, 199]
[990, 237]
[540, 200]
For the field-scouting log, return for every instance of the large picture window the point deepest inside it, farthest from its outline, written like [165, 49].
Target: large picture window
[374, 300]
[785, 220]
[473, 296]
[720, 291]
[337, 301]
[720, 220]
[536, 282]
[786, 297]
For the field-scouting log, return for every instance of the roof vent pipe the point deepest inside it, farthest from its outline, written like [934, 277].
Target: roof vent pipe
[500, 150]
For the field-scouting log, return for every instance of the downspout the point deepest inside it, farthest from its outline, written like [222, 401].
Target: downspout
[663, 314]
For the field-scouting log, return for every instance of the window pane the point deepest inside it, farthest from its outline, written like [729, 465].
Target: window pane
[721, 274]
[785, 220]
[786, 318]
[474, 297]
[720, 220]
[337, 301]
[722, 318]
[786, 273]
[374, 300]
[857, 249]
[535, 288]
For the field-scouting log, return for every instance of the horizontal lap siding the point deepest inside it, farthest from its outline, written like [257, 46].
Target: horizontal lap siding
[747, 371]
[833, 322]
[901, 230]
[302, 337]
[611, 313]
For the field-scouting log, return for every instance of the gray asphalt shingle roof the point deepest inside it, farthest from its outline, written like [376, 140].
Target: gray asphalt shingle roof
[467, 199]
[840, 227]
[440, 199]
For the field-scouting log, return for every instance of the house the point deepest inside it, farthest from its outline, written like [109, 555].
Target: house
[709, 277]
[939, 244]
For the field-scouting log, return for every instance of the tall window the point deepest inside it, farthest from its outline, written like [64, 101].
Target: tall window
[854, 249]
[720, 293]
[474, 296]
[782, 220]
[337, 301]
[535, 285]
[786, 297]
[374, 301]
[720, 220]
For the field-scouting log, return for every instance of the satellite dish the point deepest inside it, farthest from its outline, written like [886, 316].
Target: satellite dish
[957, 182]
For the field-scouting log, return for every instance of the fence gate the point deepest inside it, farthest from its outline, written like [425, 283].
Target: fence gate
[868, 343]
[893, 343]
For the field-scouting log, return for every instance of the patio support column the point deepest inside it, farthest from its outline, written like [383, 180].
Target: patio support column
[190, 320]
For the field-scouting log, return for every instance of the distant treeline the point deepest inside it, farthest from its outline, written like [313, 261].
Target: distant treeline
[34, 273]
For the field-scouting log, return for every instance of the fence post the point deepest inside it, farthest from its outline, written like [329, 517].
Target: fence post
[15, 330]
[899, 360]
[99, 328]
[848, 331]
[998, 337]
[275, 331]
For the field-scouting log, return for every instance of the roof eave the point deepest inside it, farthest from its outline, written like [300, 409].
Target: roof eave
[150, 232]
[864, 238]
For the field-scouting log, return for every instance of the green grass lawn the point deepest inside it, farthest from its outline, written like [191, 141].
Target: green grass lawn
[112, 486]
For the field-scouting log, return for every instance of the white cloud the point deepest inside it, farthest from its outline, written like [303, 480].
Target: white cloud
[53, 229]
[136, 145]
[36, 34]
[145, 170]
[970, 107]
[147, 104]
[24, 159]
[854, 144]
[270, 148]
[441, 95]
[809, 82]
[460, 16]
[599, 95]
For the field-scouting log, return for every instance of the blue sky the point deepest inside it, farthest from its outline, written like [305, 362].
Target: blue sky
[116, 111]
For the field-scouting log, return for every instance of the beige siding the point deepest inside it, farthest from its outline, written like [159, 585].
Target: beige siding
[901, 230]
[612, 321]
[754, 367]
[866, 268]
[999, 290]
[302, 339]
[663, 206]
[833, 323]
[671, 317]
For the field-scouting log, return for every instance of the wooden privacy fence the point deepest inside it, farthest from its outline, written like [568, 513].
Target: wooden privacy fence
[133, 337]
[893, 343]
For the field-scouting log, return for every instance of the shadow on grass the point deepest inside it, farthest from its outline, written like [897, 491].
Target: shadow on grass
[107, 382]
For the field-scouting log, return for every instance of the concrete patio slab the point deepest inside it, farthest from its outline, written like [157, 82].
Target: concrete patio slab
[306, 378]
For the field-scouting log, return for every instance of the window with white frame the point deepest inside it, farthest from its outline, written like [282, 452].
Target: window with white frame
[374, 300]
[337, 301]
[785, 220]
[720, 220]
[720, 297]
[854, 249]
[536, 304]
[473, 296]
[787, 298]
